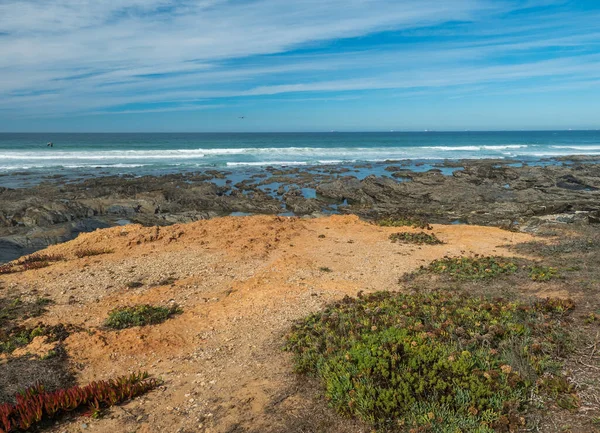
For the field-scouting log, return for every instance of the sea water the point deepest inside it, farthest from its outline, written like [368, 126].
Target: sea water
[26, 159]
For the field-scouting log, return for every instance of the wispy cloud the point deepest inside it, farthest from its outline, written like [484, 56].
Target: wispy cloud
[103, 56]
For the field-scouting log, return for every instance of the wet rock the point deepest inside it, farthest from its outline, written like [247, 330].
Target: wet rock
[297, 203]
[346, 188]
[32, 218]
[571, 182]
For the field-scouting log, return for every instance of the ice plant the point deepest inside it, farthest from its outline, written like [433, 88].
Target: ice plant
[35, 261]
[439, 361]
[34, 404]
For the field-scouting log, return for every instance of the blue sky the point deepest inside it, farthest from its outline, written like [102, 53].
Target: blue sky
[306, 65]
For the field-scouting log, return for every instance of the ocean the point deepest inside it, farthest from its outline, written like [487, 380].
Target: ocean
[25, 158]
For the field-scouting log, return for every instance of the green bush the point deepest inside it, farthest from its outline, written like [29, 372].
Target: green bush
[415, 238]
[472, 268]
[140, 315]
[438, 362]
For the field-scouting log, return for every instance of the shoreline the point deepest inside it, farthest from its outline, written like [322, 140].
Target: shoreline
[504, 193]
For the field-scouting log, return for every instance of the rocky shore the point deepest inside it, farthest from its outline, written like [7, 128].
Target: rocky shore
[485, 192]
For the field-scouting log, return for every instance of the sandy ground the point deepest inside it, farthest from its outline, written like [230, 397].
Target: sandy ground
[241, 282]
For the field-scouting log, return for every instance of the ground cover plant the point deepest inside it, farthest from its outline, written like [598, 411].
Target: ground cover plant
[20, 336]
[415, 238]
[574, 252]
[436, 362]
[35, 261]
[487, 267]
[472, 268]
[90, 252]
[13, 335]
[140, 315]
[404, 221]
[542, 273]
[35, 404]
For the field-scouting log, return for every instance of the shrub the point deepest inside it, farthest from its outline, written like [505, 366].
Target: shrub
[415, 238]
[89, 252]
[472, 268]
[438, 362]
[35, 404]
[140, 315]
[325, 269]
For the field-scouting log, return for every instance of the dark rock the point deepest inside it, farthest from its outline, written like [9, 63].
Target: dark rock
[32, 218]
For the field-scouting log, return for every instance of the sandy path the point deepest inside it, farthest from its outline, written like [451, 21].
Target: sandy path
[241, 282]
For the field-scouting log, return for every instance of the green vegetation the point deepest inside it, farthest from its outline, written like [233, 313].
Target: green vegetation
[17, 308]
[415, 238]
[14, 337]
[438, 362]
[592, 317]
[404, 221]
[472, 268]
[325, 269]
[13, 309]
[140, 315]
[90, 252]
[542, 273]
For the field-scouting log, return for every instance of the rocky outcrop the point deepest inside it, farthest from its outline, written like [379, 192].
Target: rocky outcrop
[481, 192]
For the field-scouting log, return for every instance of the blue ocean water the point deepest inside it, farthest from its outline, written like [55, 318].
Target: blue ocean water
[153, 153]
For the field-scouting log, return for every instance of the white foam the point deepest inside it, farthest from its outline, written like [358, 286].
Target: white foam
[249, 156]
[506, 146]
[258, 163]
[92, 165]
[102, 156]
[587, 148]
[454, 148]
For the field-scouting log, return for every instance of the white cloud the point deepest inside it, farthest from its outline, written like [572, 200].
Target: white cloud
[85, 55]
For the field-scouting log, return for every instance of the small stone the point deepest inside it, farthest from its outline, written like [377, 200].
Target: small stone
[84, 426]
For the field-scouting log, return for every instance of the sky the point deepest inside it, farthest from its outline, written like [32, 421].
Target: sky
[305, 65]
